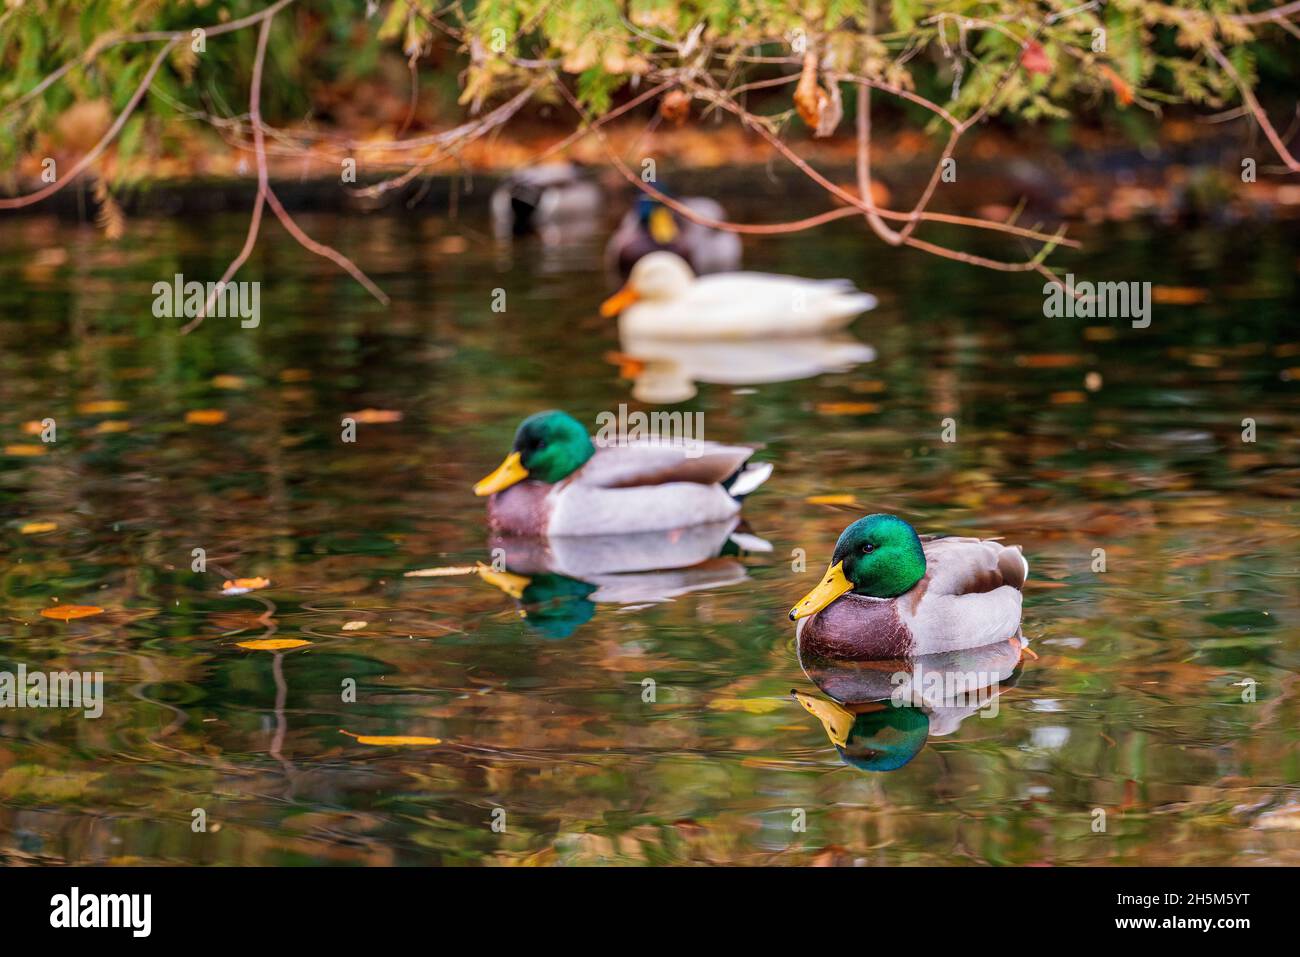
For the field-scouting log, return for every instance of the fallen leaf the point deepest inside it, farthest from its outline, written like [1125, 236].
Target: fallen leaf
[442, 572]
[831, 500]
[228, 382]
[38, 528]
[241, 586]
[375, 416]
[101, 407]
[1178, 295]
[271, 644]
[749, 705]
[353, 625]
[675, 107]
[25, 451]
[847, 408]
[69, 612]
[385, 740]
[113, 425]
[205, 416]
[1048, 361]
[1071, 397]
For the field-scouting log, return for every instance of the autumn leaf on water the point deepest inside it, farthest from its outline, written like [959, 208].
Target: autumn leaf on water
[749, 705]
[395, 740]
[38, 528]
[847, 408]
[831, 500]
[113, 425]
[24, 451]
[101, 407]
[1178, 295]
[271, 644]
[242, 586]
[69, 612]
[205, 417]
[443, 572]
[375, 416]
[353, 625]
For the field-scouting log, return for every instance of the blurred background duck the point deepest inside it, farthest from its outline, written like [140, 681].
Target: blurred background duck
[546, 198]
[663, 298]
[650, 226]
[889, 595]
[556, 482]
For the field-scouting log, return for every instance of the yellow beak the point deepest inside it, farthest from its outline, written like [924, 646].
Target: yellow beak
[616, 303]
[837, 721]
[513, 585]
[507, 474]
[832, 586]
[663, 228]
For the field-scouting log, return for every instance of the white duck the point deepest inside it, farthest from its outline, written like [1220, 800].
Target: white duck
[664, 299]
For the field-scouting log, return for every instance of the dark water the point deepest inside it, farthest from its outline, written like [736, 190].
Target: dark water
[1133, 708]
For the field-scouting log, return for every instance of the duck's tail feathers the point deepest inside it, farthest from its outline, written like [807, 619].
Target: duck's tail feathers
[747, 478]
[854, 303]
[748, 542]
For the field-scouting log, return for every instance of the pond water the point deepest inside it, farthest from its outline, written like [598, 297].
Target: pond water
[1132, 738]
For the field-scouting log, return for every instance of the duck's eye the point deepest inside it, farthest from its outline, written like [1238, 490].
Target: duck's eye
[868, 549]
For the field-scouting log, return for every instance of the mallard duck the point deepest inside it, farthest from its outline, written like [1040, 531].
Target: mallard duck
[534, 199]
[888, 595]
[556, 482]
[650, 226]
[664, 299]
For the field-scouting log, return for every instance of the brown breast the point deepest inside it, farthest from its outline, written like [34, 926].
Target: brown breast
[522, 509]
[854, 628]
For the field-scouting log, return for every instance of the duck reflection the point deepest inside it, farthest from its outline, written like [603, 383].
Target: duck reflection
[558, 582]
[665, 371]
[883, 712]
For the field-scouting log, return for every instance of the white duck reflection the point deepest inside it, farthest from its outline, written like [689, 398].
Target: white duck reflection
[665, 371]
[559, 581]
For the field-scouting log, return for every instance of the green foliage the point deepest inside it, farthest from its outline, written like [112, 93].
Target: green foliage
[957, 53]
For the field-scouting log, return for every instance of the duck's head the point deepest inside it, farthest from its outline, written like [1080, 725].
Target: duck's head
[879, 556]
[656, 277]
[549, 446]
[657, 221]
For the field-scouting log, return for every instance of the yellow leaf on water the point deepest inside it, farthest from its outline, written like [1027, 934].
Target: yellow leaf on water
[205, 416]
[38, 528]
[831, 500]
[113, 425]
[353, 625]
[101, 407]
[442, 572]
[33, 427]
[69, 612]
[271, 644]
[750, 705]
[227, 382]
[384, 740]
[25, 451]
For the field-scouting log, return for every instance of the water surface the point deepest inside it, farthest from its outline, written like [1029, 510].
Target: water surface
[1072, 436]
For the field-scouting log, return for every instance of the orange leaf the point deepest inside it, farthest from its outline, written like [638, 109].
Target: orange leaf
[1123, 92]
[375, 416]
[240, 586]
[205, 416]
[37, 528]
[847, 408]
[25, 451]
[831, 500]
[1178, 295]
[1035, 59]
[69, 612]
